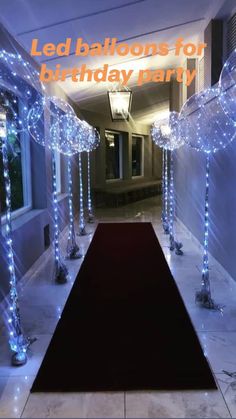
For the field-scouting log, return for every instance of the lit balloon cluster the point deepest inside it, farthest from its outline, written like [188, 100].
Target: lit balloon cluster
[76, 136]
[207, 124]
[165, 134]
[93, 141]
[56, 107]
[19, 81]
[68, 136]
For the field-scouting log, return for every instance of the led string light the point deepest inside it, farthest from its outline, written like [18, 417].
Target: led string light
[166, 225]
[165, 134]
[165, 196]
[18, 79]
[171, 204]
[90, 208]
[93, 143]
[36, 129]
[207, 129]
[73, 138]
[73, 251]
[52, 104]
[61, 271]
[64, 133]
[59, 140]
[204, 296]
[165, 189]
[174, 244]
[82, 229]
[17, 341]
[88, 140]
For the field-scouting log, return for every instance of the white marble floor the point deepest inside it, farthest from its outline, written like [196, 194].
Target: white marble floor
[42, 301]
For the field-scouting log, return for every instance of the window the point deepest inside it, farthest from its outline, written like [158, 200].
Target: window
[58, 171]
[19, 162]
[137, 155]
[201, 79]
[113, 155]
[231, 35]
[56, 113]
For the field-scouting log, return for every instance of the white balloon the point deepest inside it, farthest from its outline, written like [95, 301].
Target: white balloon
[227, 84]
[202, 123]
[165, 132]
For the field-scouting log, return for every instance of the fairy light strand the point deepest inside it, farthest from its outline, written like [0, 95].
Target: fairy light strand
[166, 193]
[90, 208]
[17, 341]
[82, 230]
[171, 203]
[72, 247]
[163, 188]
[165, 134]
[204, 295]
[61, 271]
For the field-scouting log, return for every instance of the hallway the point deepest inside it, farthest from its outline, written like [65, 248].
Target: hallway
[216, 332]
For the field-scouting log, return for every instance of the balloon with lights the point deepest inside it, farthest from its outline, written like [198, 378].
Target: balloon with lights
[56, 107]
[165, 134]
[92, 143]
[21, 86]
[17, 79]
[227, 85]
[205, 128]
[165, 187]
[83, 134]
[65, 131]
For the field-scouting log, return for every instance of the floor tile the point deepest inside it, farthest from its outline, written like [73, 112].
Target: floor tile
[14, 392]
[35, 357]
[216, 331]
[227, 385]
[183, 404]
[220, 350]
[75, 405]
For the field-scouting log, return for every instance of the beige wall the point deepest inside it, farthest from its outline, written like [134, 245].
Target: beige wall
[152, 156]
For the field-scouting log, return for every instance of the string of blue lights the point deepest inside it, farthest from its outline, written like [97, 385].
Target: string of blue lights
[73, 251]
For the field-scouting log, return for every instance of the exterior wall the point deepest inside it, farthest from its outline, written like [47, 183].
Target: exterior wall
[190, 191]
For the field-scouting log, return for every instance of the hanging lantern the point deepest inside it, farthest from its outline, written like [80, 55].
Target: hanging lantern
[120, 103]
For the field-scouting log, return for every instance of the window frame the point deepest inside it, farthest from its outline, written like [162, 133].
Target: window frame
[109, 131]
[142, 157]
[26, 170]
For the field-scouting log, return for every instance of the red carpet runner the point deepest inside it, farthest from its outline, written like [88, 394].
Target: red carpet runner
[124, 326]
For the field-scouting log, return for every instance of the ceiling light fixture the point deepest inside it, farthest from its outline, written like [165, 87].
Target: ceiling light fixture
[120, 103]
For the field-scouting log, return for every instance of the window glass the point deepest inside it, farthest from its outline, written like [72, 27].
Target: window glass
[56, 113]
[137, 156]
[58, 170]
[15, 151]
[113, 155]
